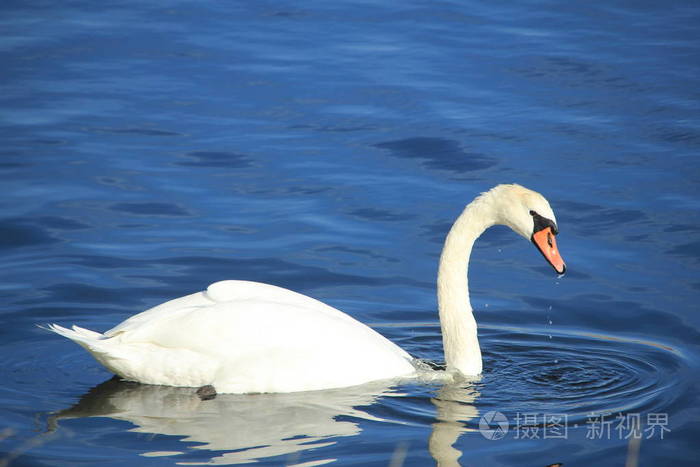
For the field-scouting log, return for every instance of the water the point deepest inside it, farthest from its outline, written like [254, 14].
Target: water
[151, 149]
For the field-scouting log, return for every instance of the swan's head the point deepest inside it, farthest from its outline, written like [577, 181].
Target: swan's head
[528, 213]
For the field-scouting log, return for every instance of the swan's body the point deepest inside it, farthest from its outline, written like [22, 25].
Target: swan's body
[243, 337]
[240, 337]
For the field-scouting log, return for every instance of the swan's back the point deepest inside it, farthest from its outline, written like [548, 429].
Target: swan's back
[229, 291]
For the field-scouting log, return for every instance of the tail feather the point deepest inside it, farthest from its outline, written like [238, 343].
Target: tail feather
[97, 344]
[87, 333]
[81, 336]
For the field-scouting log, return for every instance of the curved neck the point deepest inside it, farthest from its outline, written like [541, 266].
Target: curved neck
[459, 336]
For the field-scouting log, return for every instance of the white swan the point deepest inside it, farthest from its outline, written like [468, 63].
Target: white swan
[248, 337]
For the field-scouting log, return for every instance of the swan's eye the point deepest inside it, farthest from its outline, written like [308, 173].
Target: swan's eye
[542, 223]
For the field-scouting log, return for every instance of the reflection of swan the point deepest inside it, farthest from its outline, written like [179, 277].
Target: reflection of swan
[246, 337]
[242, 428]
[454, 404]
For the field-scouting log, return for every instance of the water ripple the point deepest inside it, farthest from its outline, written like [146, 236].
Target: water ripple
[577, 373]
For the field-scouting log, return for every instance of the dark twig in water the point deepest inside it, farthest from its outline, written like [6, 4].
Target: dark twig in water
[207, 392]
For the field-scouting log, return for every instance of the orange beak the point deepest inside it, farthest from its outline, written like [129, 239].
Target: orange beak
[545, 242]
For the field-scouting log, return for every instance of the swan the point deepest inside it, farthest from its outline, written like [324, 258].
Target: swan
[249, 337]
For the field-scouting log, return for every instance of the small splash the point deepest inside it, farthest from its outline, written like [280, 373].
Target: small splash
[429, 372]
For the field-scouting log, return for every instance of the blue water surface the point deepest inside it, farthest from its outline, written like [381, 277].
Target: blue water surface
[152, 148]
